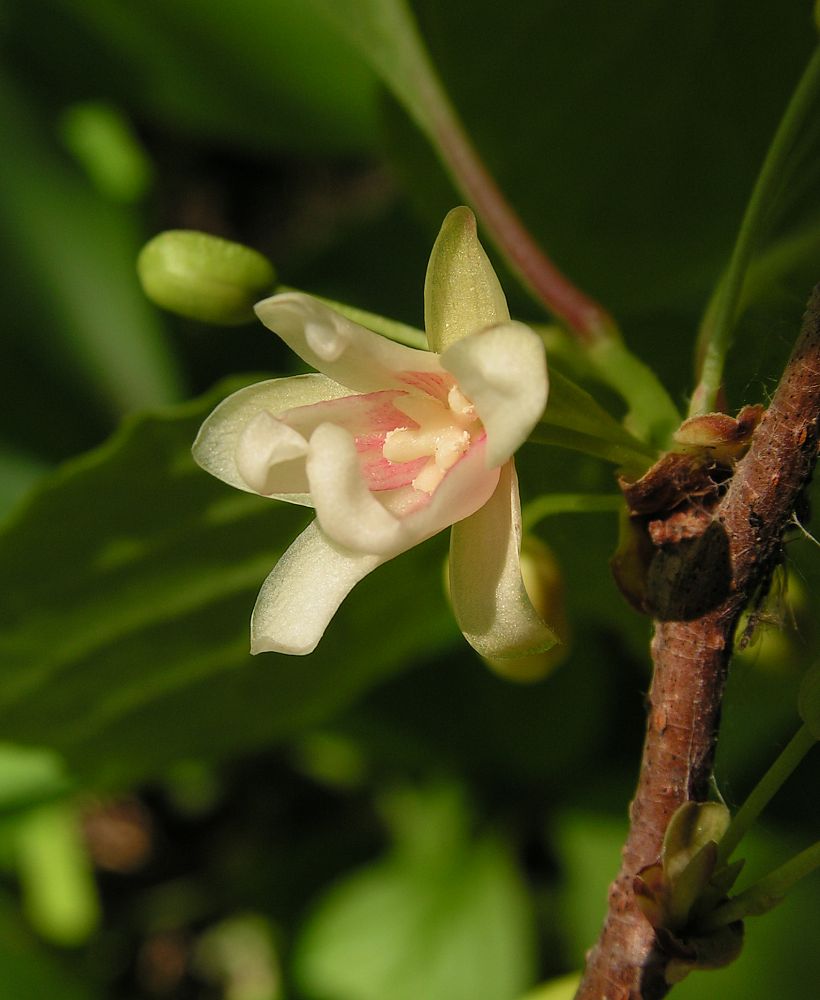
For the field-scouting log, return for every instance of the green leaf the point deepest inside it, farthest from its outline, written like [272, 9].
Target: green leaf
[386, 35]
[454, 925]
[124, 637]
[29, 775]
[766, 198]
[19, 471]
[262, 74]
[28, 971]
[89, 319]
[573, 419]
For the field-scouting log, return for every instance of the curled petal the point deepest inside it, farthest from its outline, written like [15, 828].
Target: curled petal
[368, 418]
[303, 593]
[216, 445]
[339, 348]
[390, 522]
[503, 370]
[489, 599]
[461, 291]
[270, 456]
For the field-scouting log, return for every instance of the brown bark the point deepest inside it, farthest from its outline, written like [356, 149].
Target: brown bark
[701, 586]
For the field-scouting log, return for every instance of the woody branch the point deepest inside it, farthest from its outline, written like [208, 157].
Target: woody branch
[701, 586]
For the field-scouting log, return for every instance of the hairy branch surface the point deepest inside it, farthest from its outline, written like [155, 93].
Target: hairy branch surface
[700, 586]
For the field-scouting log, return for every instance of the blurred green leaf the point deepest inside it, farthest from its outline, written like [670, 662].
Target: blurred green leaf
[18, 473]
[68, 267]
[263, 74]
[29, 971]
[124, 637]
[29, 775]
[448, 923]
[102, 141]
[59, 893]
[385, 33]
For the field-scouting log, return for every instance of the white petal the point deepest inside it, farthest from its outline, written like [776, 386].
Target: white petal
[503, 370]
[215, 448]
[341, 349]
[303, 593]
[270, 456]
[461, 291]
[346, 509]
[489, 600]
[390, 522]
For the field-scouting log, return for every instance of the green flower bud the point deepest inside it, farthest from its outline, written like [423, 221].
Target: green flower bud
[808, 700]
[725, 438]
[692, 826]
[204, 277]
[670, 893]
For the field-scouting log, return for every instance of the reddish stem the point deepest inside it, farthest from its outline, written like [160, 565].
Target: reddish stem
[588, 320]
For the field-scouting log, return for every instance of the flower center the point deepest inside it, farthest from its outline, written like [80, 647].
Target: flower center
[443, 435]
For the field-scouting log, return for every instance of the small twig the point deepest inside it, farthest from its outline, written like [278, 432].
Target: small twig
[709, 581]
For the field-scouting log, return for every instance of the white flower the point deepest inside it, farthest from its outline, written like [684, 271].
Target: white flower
[391, 445]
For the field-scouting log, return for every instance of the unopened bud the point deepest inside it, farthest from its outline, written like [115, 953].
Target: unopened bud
[204, 277]
[725, 438]
[808, 700]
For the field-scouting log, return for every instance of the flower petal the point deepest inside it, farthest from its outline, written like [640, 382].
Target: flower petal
[503, 370]
[270, 456]
[339, 348]
[461, 291]
[215, 447]
[304, 591]
[391, 522]
[489, 600]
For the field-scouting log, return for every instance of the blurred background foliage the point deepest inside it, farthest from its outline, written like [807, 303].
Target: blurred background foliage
[385, 819]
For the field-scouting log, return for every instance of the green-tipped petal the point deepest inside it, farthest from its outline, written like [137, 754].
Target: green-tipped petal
[489, 599]
[461, 291]
[503, 371]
